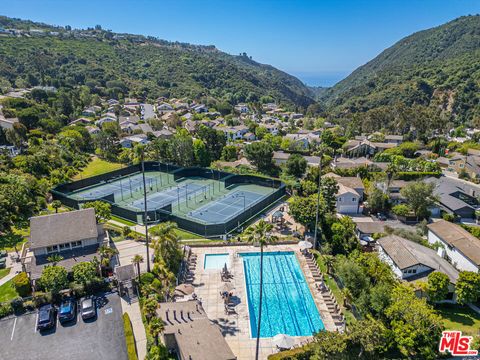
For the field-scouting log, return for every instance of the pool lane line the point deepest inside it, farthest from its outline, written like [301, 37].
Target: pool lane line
[279, 297]
[13, 329]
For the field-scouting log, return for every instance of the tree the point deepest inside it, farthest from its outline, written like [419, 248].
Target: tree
[296, 165]
[328, 191]
[22, 284]
[437, 286]
[166, 245]
[371, 335]
[377, 200]
[415, 327]
[137, 260]
[84, 272]
[343, 240]
[303, 209]
[260, 233]
[419, 195]
[229, 153]
[155, 328]
[260, 154]
[56, 204]
[308, 187]
[215, 140]
[200, 152]
[467, 287]
[103, 210]
[54, 278]
[55, 259]
[106, 253]
[150, 306]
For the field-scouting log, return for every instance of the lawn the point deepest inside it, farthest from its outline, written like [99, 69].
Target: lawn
[122, 221]
[456, 317]
[7, 292]
[186, 235]
[4, 272]
[96, 167]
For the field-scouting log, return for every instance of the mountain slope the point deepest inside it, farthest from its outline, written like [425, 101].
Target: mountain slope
[438, 67]
[138, 66]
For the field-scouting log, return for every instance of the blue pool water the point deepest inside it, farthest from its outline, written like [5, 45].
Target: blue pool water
[288, 306]
[215, 261]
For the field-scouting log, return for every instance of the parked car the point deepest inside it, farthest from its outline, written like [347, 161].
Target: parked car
[68, 310]
[46, 317]
[88, 309]
[3, 253]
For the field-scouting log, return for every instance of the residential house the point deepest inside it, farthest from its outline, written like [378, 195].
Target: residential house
[164, 107]
[350, 193]
[130, 141]
[80, 121]
[7, 124]
[454, 163]
[10, 150]
[411, 261]
[249, 136]
[456, 197]
[200, 108]
[242, 108]
[163, 134]
[394, 139]
[233, 132]
[92, 130]
[356, 148]
[74, 235]
[280, 157]
[191, 126]
[272, 128]
[460, 248]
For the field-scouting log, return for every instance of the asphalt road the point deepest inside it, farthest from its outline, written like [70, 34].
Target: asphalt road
[102, 338]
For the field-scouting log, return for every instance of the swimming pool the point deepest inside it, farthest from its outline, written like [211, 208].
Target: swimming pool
[215, 261]
[288, 306]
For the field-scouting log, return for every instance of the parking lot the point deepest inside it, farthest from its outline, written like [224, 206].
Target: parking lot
[100, 338]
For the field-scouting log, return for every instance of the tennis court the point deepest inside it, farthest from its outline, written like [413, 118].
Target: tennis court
[181, 193]
[227, 207]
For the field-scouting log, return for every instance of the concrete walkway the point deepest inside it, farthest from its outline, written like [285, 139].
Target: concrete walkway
[133, 311]
[15, 268]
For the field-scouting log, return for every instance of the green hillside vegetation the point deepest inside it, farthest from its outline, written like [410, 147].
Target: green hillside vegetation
[121, 65]
[435, 72]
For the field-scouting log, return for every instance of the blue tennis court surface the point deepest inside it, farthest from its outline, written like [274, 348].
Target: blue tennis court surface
[124, 186]
[171, 196]
[227, 207]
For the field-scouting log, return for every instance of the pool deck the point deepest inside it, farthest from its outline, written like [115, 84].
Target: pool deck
[236, 327]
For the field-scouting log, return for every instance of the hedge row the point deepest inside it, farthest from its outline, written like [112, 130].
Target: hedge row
[129, 338]
[415, 175]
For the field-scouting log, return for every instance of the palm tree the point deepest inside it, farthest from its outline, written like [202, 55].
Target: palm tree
[106, 253]
[56, 204]
[166, 245]
[150, 307]
[347, 298]
[260, 233]
[155, 328]
[55, 258]
[136, 260]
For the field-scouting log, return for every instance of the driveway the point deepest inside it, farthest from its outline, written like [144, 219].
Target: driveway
[101, 338]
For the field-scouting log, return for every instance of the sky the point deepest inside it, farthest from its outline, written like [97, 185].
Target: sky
[319, 41]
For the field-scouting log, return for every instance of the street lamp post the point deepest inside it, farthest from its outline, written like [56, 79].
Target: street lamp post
[318, 200]
[145, 216]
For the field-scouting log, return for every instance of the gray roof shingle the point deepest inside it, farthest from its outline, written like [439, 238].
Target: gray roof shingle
[62, 228]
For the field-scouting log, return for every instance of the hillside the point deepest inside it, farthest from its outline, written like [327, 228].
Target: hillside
[137, 66]
[437, 68]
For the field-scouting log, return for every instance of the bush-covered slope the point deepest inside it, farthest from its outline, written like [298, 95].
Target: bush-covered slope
[138, 66]
[438, 67]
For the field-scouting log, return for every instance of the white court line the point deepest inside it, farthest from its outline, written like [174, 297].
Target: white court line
[13, 330]
[35, 325]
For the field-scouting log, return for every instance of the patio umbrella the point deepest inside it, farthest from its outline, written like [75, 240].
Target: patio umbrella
[227, 287]
[283, 341]
[305, 245]
[184, 289]
[225, 269]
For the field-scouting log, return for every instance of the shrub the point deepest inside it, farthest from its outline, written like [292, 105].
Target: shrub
[78, 289]
[401, 210]
[40, 298]
[17, 305]
[96, 285]
[147, 278]
[22, 284]
[5, 310]
[29, 305]
[448, 217]
[129, 338]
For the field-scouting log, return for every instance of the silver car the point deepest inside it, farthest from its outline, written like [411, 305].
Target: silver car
[87, 308]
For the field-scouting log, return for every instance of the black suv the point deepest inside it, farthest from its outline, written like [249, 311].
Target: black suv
[68, 310]
[46, 317]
